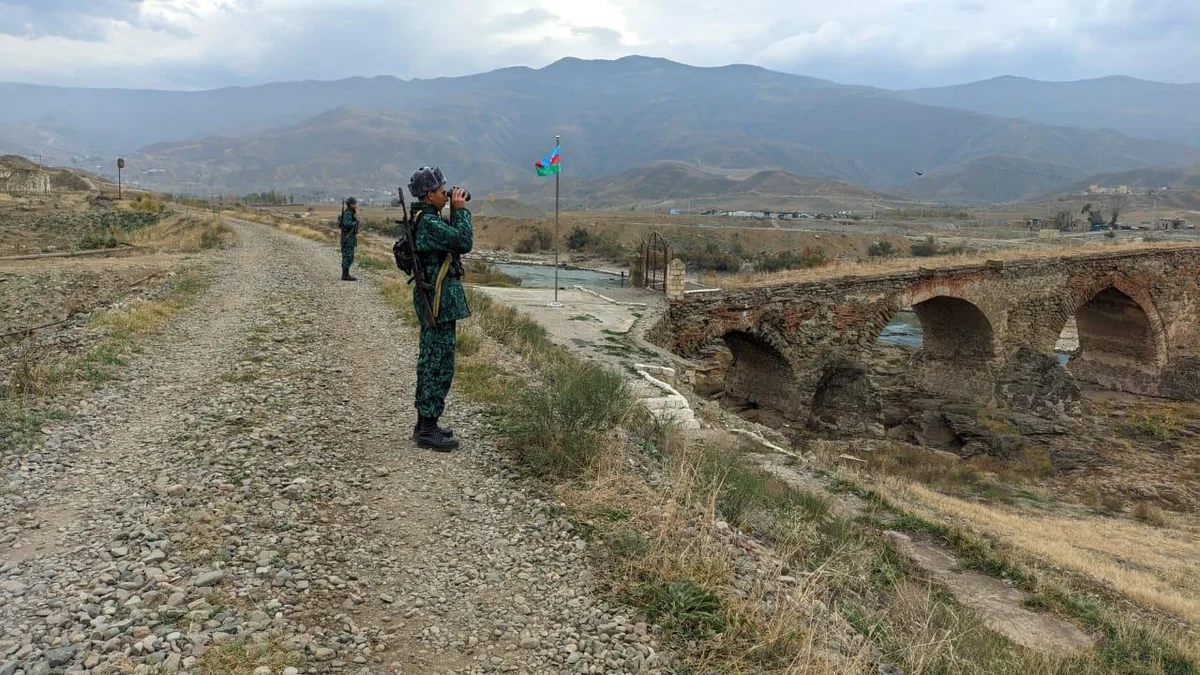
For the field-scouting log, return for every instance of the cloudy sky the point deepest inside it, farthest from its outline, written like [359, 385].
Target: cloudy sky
[191, 44]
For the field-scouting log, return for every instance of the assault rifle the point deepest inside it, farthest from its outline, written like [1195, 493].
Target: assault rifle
[405, 252]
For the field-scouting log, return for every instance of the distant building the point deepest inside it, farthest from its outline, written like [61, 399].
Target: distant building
[1101, 190]
[1172, 224]
[24, 181]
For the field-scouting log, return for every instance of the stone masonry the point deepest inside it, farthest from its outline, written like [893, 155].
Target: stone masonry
[676, 279]
[1138, 314]
[24, 181]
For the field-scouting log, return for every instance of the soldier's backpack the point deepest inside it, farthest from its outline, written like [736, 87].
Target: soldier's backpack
[404, 248]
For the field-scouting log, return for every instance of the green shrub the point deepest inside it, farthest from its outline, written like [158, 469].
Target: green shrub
[559, 429]
[683, 605]
[579, 238]
[926, 248]
[881, 249]
[791, 260]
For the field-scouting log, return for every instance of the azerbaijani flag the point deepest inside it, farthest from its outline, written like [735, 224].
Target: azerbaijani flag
[548, 164]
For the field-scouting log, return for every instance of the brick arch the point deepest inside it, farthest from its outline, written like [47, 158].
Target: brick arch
[761, 373]
[955, 325]
[1100, 300]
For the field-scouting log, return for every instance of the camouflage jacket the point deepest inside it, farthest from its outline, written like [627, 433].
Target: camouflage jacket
[436, 240]
[348, 223]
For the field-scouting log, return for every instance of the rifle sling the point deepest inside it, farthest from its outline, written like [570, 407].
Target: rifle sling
[437, 289]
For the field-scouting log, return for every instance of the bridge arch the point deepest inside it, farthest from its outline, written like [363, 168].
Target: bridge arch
[760, 374]
[1122, 339]
[954, 326]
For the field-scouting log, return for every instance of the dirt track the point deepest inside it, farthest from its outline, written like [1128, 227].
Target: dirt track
[246, 490]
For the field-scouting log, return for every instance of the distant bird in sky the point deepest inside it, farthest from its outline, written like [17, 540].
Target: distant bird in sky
[918, 173]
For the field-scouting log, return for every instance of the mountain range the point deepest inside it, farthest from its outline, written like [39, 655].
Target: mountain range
[991, 141]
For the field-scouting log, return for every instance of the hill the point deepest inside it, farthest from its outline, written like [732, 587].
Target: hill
[366, 135]
[1143, 179]
[1154, 110]
[668, 184]
[1165, 188]
[994, 179]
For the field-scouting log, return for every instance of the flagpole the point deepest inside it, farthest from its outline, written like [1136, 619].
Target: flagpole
[556, 183]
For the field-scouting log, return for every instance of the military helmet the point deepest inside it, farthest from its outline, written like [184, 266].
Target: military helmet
[351, 200]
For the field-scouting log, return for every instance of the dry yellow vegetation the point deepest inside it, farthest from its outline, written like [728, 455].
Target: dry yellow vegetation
[886, 265]
[1154, 566]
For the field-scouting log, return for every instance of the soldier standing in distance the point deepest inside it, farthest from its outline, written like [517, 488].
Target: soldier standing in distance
[439, 243]
[348, 224]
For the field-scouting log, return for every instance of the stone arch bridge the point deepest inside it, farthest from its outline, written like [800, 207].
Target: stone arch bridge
[1137, 312]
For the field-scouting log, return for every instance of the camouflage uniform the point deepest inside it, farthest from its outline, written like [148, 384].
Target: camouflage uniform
[437, 238]
[348, 224]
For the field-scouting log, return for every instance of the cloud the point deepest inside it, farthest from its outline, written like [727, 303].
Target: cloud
[894, 43]
[90, 20]
[522, 21]
[605, 37]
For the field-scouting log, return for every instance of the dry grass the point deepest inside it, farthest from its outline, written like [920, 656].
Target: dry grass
[880, 266]
[187, 234]
[982, 475]
[149, 315]
[1152, 565]
[243, 658]
[33, 375]
[39, 373]
[307, 232]
[671, 557]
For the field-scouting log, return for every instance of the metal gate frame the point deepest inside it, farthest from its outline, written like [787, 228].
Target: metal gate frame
[656, 255]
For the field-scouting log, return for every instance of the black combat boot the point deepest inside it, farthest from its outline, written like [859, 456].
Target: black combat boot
[346, 275]
[427, 435]
[445, 431]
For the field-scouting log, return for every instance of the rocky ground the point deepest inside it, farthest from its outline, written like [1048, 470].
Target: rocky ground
[245, 498]
[36, 292]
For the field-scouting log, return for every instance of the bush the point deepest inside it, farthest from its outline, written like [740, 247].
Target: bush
[1149, 427]
[147, 204]
[790, 260]
[881, 249]
[559, 429]
[93, 241]
[709, 256]
[538, 240]
[482, 273]
[746, 492]
[926, 248]
[578, 239]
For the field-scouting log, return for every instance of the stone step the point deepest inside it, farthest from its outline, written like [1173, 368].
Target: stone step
[665, 403]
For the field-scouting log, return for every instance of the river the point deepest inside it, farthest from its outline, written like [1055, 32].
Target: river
[542, 276]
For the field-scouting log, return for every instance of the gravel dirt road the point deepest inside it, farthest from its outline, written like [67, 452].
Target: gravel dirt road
[244, 497]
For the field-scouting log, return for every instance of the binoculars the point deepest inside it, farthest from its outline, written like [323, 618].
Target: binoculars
[466, 193]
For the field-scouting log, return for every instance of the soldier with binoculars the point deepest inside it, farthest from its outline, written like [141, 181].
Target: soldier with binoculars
[438, 243]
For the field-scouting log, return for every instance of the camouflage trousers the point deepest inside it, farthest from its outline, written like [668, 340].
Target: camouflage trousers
[435, 368]
[349, 243]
